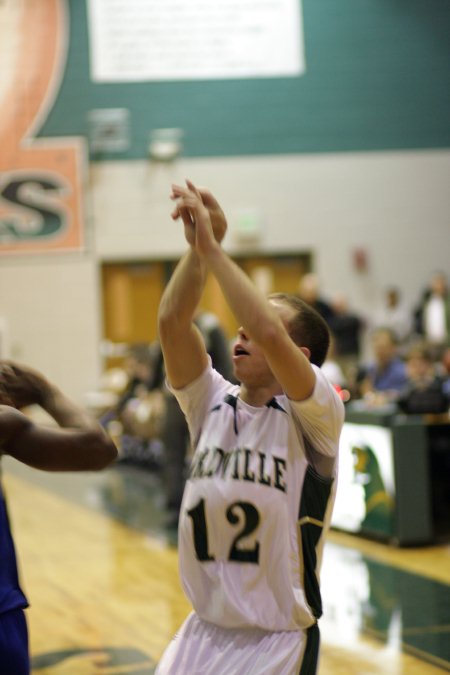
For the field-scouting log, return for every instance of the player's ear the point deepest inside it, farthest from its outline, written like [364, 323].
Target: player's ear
[306, 352]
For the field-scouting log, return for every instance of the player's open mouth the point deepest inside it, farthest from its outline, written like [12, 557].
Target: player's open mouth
[239, 351]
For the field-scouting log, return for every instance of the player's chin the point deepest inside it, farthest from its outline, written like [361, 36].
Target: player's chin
[237, 367]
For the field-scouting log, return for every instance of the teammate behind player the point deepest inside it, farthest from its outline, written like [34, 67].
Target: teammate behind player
[259, 496]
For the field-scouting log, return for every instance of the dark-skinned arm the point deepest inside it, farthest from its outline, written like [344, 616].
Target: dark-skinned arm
[79, 443]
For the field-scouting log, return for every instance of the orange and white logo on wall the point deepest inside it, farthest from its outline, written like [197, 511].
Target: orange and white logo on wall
[40, 179]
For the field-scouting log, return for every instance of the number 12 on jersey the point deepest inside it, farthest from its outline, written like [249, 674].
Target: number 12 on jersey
[235, 513]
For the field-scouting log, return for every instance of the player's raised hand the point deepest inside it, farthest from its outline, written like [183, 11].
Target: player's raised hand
[196, 218]
[217, 216]
[181, 211]
[21, 386]
[218, 220]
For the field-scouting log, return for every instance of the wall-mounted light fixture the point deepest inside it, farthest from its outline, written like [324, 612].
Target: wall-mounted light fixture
[165, 145]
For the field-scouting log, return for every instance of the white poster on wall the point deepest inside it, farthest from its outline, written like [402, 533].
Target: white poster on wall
[149, 40]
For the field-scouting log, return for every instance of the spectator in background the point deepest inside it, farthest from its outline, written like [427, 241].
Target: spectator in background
[309, 292]
[128, 420]
[384, 378]
[331, 368]
[346, 328]
[445, 370]
[432, 316]
[394, 315]
[139, 366]
[334, 374]
[425, 390]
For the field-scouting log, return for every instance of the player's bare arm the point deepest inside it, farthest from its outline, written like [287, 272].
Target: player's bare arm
[78, 444]
[216, 214]
[263, 321]
[184, 352]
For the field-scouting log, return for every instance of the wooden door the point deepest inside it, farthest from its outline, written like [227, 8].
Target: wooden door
[132, 292]
[131, 295]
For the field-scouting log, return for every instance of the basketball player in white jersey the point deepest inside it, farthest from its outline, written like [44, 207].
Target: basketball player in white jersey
[259, 496]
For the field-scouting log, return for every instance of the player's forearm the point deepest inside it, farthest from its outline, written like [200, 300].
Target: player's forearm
[55, 449]
[95, 450]
[183, 293]
[248, 305]
[65, 412]
[63, 449]
[183, 348]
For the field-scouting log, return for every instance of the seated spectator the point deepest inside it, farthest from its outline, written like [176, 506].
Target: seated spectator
[424, 392]
[386, 374]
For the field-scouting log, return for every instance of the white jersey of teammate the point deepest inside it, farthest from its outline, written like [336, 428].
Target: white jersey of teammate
[257, 503]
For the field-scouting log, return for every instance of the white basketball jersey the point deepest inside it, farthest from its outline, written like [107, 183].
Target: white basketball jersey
[254, 508]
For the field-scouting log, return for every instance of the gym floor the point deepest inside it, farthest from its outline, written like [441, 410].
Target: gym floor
[100, 571]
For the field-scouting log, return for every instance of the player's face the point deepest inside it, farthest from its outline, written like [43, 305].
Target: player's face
[249, 362]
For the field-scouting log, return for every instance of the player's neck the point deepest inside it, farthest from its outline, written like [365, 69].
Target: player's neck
[258, 396]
